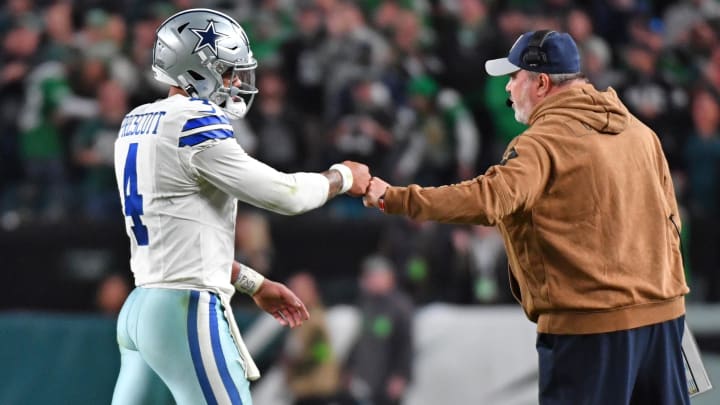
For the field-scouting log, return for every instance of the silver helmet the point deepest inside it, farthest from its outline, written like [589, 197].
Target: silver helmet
[195, 48]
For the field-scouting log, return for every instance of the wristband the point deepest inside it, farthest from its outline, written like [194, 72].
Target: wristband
[248, 281]
[346, 174]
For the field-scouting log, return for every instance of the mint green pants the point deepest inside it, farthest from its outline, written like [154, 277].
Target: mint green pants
[182, 338]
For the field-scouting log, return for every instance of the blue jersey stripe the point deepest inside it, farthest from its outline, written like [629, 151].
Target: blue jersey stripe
[200, 137]
[194, 341]
[204, 121]
[220, 357]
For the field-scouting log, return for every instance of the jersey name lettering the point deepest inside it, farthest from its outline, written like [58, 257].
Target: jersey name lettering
[141, 124]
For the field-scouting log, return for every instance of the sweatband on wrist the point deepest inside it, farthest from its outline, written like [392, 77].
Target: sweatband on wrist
[346, 174]
[248, 280]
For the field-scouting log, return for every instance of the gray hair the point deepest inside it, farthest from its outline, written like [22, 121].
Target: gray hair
[560, 78]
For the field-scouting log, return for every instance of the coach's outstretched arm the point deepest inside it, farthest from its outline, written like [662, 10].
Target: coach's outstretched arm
[272, 297]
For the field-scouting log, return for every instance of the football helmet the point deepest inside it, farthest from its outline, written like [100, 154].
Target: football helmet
[207, 53]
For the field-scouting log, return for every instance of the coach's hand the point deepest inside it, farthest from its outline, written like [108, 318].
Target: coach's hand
[277, 300]
[375, 193]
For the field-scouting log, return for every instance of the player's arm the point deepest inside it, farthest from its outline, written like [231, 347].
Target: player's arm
[227, 166]
[347, 177]
[272, 297]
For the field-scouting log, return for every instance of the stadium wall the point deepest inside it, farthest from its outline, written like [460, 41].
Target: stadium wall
[463, 355]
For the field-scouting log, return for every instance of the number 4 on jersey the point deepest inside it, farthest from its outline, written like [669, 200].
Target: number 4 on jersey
[133, 200]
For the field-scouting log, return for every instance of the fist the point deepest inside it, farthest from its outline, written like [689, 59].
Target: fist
[375, 190]
[361, 178]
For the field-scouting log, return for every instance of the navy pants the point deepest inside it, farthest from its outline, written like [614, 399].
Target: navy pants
[637, 366]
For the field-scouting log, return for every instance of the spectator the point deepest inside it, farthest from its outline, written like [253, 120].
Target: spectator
[41, 140]
[412, 49]
[441, 140]
[59, 43]
[352, 50]
[269, 24]
[301, 61]
[479, 271]
[511, 23]
[464, 44]
[253, 241]
[595, 53]
[92, 146]
[422, 252]
[311, 368]
[702, 155]
[381, 362]
[362, 129]
[15, 11]
[656, 102]
[280, 136]
[681, 16]
[466, 37]
[140, 53]
[16, 62]
[103, 38]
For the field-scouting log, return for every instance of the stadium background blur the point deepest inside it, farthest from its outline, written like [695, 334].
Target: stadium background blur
[399, 85]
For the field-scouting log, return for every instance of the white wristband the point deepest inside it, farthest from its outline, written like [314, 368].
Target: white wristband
[346, 174]
[248, 280]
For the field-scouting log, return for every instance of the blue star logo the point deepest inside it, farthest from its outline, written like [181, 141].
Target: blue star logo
[208, 38]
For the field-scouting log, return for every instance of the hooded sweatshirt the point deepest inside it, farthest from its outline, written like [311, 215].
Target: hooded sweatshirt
[585, 203]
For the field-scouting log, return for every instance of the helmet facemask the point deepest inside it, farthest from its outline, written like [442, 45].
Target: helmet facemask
[238, 90]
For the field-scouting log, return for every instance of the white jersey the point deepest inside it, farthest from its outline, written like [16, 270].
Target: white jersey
[180, 173]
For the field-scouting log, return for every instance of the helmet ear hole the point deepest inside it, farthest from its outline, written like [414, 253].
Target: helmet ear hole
[195, 75]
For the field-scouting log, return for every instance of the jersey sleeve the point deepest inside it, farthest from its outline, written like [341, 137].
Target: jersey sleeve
[202, 123]
[228, 167]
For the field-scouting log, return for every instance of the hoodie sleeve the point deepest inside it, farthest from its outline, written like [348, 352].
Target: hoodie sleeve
[510, 186]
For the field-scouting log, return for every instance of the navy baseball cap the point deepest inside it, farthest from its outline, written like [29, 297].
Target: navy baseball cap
[547, 52]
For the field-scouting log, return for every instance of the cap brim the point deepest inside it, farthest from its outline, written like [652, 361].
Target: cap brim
[500, 67]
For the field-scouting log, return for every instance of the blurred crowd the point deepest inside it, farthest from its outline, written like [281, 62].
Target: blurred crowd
[399, 85]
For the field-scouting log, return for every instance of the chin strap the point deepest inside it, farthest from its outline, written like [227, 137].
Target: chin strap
[235, 109]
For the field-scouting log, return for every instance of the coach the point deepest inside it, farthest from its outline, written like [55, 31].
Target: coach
[585, 203]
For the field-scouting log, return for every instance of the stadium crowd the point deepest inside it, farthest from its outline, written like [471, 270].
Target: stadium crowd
[399, 85]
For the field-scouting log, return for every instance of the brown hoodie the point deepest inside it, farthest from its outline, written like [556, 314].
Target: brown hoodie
[585, 204]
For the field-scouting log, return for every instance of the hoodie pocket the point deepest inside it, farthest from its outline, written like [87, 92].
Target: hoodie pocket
[675, 247]
[675, 235]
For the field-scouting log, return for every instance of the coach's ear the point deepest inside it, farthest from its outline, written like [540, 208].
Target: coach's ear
[543, 84]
